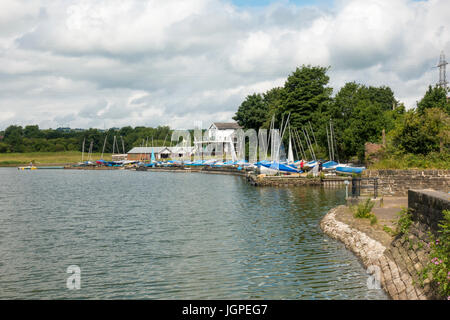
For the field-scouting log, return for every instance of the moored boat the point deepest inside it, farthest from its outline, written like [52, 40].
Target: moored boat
[27, 168]
[350, 170]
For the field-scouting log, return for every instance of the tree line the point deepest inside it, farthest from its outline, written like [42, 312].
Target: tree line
[359, 114]
[33, 139]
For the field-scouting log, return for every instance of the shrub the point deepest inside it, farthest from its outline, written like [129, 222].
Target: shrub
[389, 230]
[363, 209]
[373, 219]
[439, 265]
[404, 222]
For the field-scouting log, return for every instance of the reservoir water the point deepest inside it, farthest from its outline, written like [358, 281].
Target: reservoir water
[156, 235]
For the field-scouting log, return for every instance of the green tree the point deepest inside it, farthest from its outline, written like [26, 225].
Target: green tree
[32, 132]
[359, 115]
[14, 137]
[252, 112]
[274, 99]
[421, 133]
[30, 139]
[4, 147]
[435, 97]
[306, 95]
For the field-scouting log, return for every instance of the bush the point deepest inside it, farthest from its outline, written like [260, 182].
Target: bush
[373, 219]
[389, 230]
[404, 222]
[433, 160]
[421, 133]
[4, 147]
[439, 265]
[363, 209]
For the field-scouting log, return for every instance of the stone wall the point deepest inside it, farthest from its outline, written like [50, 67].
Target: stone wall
[411, 251]
[398, 182]
[402, 261]
[411, 255]
[281, 181]
[397, 283]
[205, 169]
[224, 170]
[426, 208]
[292, 180]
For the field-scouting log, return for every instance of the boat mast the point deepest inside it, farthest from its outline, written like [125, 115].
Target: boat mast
[328, 142]
[290, 153]
[285, 126]
[117, 146]
[331, 139]
[114, 144]
[334, 140]
[82, 150]
[299, 140]
[308, 143]
[104, 144]
[144, 143]
[164, 144]
[90, 150]
[295, 147]
[314, 136]
[123, 145]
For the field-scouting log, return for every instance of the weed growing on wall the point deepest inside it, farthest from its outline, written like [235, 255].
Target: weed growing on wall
[439, 265]
[404, 222]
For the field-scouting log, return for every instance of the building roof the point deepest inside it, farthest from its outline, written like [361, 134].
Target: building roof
[160, 150]
[181, 149]
[226, 125]
[147, 149]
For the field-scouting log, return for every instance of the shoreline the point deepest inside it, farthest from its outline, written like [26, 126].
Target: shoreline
[56, 164]
[392, 260]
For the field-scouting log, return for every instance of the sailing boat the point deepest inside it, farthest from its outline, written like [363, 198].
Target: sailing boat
[152, 159]
[82, 154]
[89, 160]
[101, 161]
[277, 151]
[290, 159]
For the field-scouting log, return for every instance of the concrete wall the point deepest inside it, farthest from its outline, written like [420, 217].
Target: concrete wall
[398, 182]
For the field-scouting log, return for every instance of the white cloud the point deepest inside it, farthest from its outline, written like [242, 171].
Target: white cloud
[115, 63]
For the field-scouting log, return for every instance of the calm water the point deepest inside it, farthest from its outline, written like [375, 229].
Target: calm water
[148, 235]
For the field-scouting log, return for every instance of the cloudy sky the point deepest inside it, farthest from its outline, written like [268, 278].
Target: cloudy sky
[111, 63]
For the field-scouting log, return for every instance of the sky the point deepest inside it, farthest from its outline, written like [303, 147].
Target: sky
[113, 63]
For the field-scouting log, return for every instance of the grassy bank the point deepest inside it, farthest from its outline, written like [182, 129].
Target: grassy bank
[42, 158]
[412, 161]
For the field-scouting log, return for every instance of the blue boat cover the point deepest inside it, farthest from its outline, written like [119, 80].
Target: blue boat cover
[350, 169]
[329, 164]
[280, 167]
